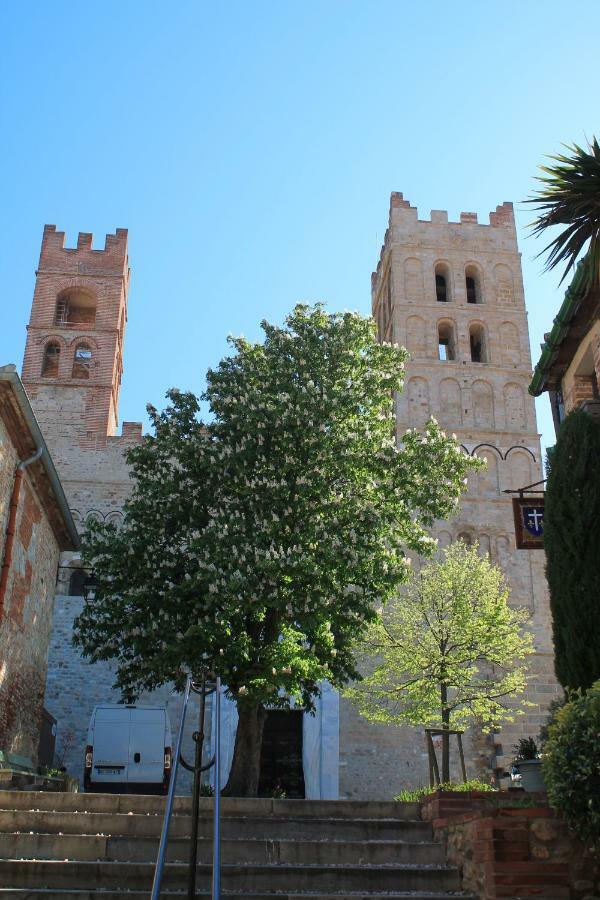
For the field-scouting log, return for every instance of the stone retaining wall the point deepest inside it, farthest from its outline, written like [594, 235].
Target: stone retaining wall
[504, 848]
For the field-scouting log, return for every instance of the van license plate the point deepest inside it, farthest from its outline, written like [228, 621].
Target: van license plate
[105, 770]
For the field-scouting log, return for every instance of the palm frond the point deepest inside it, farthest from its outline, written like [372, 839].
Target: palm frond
[570, 195]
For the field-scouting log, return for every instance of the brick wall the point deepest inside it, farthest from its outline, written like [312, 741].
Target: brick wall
[26, 610]
[102, 277]
[504, 848]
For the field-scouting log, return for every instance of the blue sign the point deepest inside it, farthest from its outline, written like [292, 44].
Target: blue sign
[529, 522]
[533, 520]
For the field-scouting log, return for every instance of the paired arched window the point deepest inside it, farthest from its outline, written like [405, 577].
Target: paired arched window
[82, 361]
[442, 283]
[446, 341]
[478, 343]
[473, 284]
[51, 360]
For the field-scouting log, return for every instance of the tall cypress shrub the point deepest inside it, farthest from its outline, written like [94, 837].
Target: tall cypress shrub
[572, 544]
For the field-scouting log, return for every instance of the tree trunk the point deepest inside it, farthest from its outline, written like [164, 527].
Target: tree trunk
[245, 767]
[445, 735]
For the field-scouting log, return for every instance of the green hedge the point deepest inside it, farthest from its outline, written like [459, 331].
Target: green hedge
[572, 545]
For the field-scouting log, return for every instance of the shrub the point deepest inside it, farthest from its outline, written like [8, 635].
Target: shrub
[526, 749]
[460, 787]
[571, 763]
[553, 709]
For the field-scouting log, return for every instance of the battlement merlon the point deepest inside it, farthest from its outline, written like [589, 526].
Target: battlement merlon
[111, 260]
[405, 218]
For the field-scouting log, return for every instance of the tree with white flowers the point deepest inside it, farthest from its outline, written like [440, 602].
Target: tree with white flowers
[262, 542]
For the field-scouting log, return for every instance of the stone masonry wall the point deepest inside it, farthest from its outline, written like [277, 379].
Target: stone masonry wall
[75, 686]
[26, 613]
[487, 406]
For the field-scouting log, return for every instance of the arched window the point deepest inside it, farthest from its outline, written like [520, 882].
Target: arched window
[478, 343]
[446, 341]
[75, 308]
[442, 283]
[473, 285]
[76, 582]
[82, 361]
[441, 288]
[51, 360]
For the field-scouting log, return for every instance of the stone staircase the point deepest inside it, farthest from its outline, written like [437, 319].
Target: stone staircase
[59, 846]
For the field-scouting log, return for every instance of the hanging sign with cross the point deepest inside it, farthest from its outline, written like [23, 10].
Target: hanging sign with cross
[529, 522]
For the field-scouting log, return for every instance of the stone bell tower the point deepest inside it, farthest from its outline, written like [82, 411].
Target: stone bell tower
[452, 294]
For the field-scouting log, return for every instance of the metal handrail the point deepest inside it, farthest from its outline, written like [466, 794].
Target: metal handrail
[197, 769]
[164, 836]
[216, 871]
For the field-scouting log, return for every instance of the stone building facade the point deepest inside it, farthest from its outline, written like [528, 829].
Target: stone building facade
[35, 526]
[452, 294]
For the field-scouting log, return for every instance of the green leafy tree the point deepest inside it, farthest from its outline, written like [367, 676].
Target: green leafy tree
[448, 650]
[260, 543]
[570, 195]
[572, 545]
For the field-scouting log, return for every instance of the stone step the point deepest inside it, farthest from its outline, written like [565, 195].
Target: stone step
[140, 849]
[52, 894]
[244, 878]
[242, 827]
[230, 806]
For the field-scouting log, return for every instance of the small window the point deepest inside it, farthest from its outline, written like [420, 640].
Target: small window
[446, 342]
[82, 361]
[51, 360]
[473, 284]
[477, 343]
[471, 290]
[441, 289]
[76, 582]
[442, 283]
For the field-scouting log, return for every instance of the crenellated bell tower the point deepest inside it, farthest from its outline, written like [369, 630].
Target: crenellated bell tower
[452, 294]
[74, 352]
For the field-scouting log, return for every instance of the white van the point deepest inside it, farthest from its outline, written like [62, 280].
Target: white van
[128, 750]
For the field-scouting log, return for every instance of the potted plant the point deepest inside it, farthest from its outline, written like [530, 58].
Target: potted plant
[529, 763]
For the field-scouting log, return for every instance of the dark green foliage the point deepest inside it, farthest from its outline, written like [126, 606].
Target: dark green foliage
[553, 709]
[572, 544]
[526, 749]
[571, 764]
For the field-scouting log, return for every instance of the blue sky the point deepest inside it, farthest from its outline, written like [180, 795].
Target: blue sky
[251, 149]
